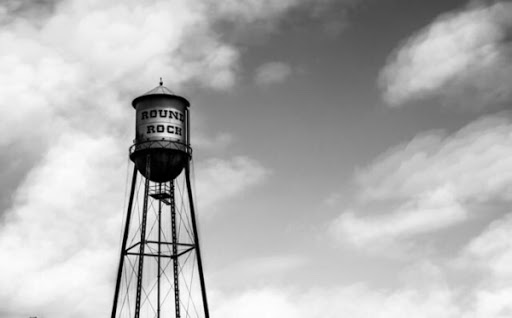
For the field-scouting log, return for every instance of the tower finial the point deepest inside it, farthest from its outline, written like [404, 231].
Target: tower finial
[161, 82]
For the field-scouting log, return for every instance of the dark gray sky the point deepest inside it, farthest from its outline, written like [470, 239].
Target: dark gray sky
[351, 157]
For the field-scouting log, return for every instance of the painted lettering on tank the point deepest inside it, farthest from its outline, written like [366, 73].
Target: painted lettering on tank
[161, 123]
[158, 129]
[172, 114]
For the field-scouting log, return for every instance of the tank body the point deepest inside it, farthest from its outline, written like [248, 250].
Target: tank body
[161, 147]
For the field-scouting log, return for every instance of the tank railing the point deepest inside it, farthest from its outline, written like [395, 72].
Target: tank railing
[159, 188]
[160, 144]
[160, 191]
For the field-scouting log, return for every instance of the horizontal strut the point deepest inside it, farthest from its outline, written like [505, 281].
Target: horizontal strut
[162, 255]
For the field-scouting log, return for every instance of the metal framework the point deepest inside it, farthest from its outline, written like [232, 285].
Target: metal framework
[160, 254]
[161, 144]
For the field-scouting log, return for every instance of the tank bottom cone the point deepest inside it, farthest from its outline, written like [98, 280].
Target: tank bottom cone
[164, 164]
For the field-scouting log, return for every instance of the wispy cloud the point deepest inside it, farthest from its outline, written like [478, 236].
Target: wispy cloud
[429, 183]
[426, 292]
[60, 231]
[463, 57]
[424, 288]
[272, 73]
[217, 142]
[257, 11]
[65, 84]
[353, 301]
[258, 271]
[221, 179]
[428, 213]
[491, 251]
[472, 161]
[248, 11]
[57, 70]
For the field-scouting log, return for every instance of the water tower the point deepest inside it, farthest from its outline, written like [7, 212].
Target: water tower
[160, 270]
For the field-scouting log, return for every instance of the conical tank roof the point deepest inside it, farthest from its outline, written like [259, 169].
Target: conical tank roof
[160, 90]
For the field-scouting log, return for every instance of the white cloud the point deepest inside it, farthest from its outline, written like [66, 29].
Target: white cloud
[353, 301]
[492, 250]
[219, 179]
[426, 290]
[473, 161]
[492, 303]
[66, 76]
[217, 142]
[462, 56]
[272, 73]
[360, 301]
[430, 183]
[74, 65]
[247, 11]
[257, 11]
[259, 271]
[60, 232]
[432, 211]
[490, 254]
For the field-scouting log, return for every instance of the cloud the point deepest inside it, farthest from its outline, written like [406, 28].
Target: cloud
[257, 11]
[473, 162]
[63, 231]
[431, 212]
[356, 301]
[64, 87]
[221, 179]
[425, 289]
[248, 11]
[75, 66]
[491, 251]
[218, 142]
[259, 271]
[489, 254]
[430, 183]
[272, 73]
[59, 233]
[26, 9]
[463, 57]
[436, 298]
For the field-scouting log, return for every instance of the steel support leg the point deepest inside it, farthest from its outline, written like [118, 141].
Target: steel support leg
[140, 270]
[196, 239]
[123, 247]
[175, 261]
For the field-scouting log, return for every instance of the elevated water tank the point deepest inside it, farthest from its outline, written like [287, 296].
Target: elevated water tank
[161, 147]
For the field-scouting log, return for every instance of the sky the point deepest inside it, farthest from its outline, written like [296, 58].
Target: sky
[351, 157]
